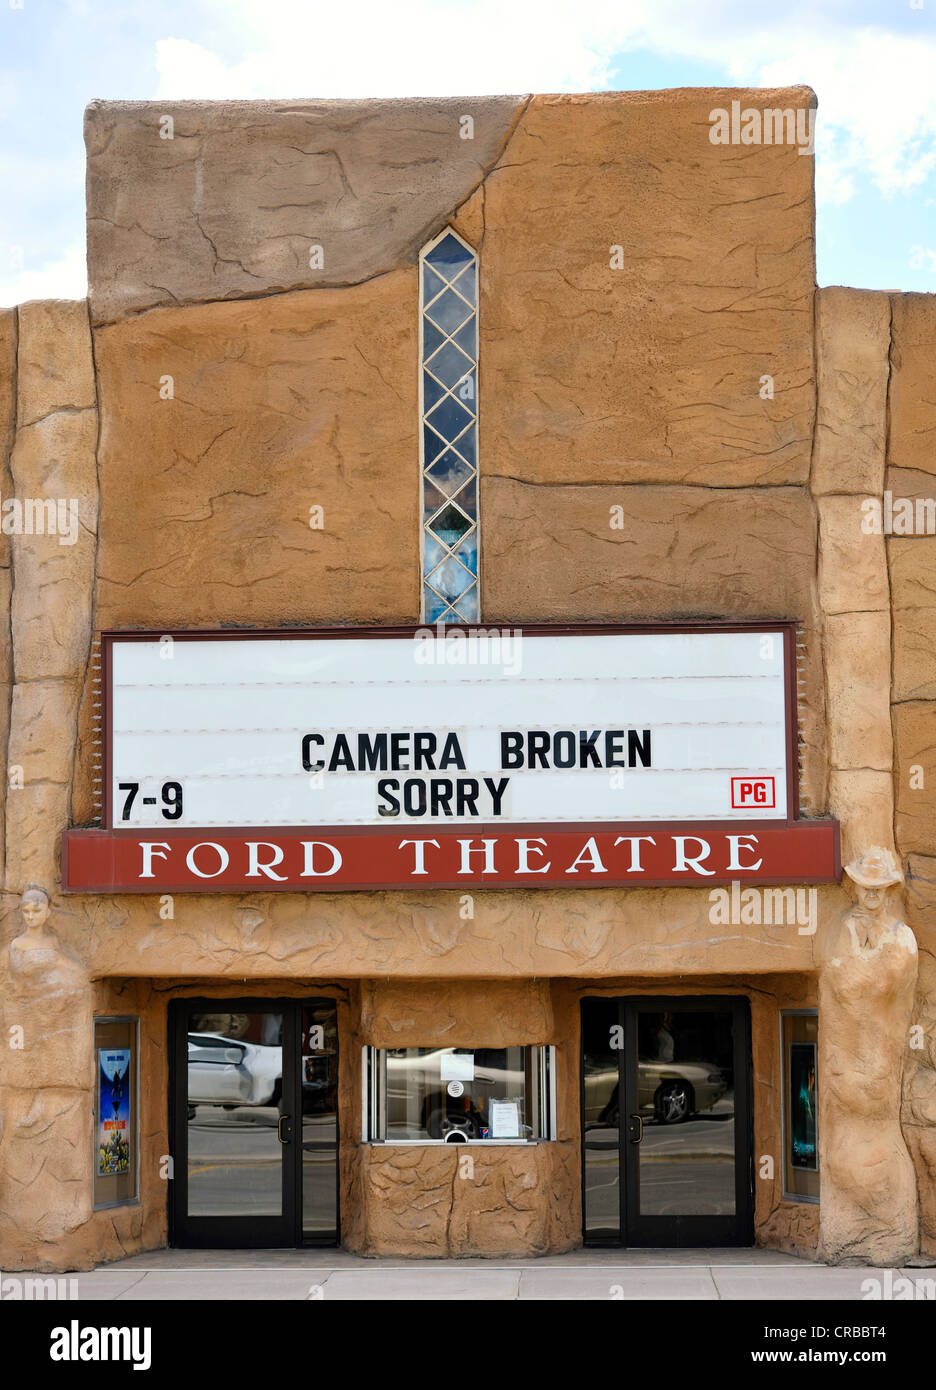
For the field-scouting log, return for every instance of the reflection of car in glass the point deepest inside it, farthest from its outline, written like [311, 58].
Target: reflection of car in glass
[230, 1072]
[441, 1113]
[670, 1091]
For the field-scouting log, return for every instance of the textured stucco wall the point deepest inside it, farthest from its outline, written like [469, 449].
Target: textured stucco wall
[911, 562]
[635, 388]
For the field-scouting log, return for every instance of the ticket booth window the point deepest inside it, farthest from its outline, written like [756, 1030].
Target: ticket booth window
[458, 1095]
[799, 1030]
[116, 1111]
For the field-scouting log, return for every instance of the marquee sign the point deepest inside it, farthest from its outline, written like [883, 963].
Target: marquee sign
[349, 759]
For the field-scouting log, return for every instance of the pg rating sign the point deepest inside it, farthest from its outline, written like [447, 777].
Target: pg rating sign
[388, 732]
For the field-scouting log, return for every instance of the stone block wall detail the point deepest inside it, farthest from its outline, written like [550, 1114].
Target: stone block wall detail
[911, 559]
[874, 432]
[49, 435]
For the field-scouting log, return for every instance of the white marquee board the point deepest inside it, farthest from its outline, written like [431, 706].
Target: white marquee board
[211, 731]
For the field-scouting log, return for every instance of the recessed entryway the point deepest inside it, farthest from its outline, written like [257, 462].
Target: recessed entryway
[666, 1121]
[254, 1122]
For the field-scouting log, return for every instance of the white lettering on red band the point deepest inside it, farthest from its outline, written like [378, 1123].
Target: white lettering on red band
[308, 865]
[255, 868]
[468, 849]
[685, 861]
[544, 855]
[224, 859]
[635, 842]
[419, 853]
[736, 846]
[151, 848]
[527, 847]
[588, 855]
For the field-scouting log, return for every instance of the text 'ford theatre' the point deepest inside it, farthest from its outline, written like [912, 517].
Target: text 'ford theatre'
[469, 784]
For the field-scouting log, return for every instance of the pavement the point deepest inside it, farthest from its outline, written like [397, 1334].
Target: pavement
[313, 1274]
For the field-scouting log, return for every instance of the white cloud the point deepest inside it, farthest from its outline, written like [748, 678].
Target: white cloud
[66, 278]
[413, 48]
[877, 103]
[877, 97]
[187, 69]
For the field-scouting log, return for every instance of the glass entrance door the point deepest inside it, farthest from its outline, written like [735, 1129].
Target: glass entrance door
[666, 1116]
[255, 1136]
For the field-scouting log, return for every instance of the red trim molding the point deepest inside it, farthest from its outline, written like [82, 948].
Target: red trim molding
[348, 859]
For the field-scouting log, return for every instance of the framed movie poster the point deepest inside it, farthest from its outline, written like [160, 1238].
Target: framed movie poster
[116, 1121]
[799, 1033]
[114, 1136]
[802, 1101]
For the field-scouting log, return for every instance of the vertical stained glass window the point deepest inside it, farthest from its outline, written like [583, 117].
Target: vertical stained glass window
[448, 315]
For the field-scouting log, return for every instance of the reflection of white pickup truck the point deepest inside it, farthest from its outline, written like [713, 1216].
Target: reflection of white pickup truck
[225, 1071]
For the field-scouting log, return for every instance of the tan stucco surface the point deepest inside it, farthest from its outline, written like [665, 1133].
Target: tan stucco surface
[635, 389]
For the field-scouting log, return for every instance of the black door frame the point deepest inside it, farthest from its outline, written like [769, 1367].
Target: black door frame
[243, 1232]
[675, 1232]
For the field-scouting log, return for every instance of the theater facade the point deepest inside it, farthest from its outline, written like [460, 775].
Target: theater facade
[469, 642]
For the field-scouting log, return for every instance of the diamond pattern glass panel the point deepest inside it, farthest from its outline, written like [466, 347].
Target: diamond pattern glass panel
[467, 551]
[448, 312]
[450, 579]
[466, 609]
[449, 364]
[466, 284]
[467, 338]
[434, 606]
[467, 499]
[449, 417]
[433, 283]
[450, 525]
[449, 338]
[433, 338]
[450, 255]
[433, 446]
[432, 391]
[433, 551]
[432, 497]
[466, 445]
[450, 472]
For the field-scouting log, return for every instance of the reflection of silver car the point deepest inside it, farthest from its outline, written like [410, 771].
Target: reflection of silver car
[671, 1091]
[226, 1071]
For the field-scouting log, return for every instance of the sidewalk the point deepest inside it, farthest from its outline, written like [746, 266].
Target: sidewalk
[296, 1275]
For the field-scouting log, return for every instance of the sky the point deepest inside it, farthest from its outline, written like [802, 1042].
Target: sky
[872, 64]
